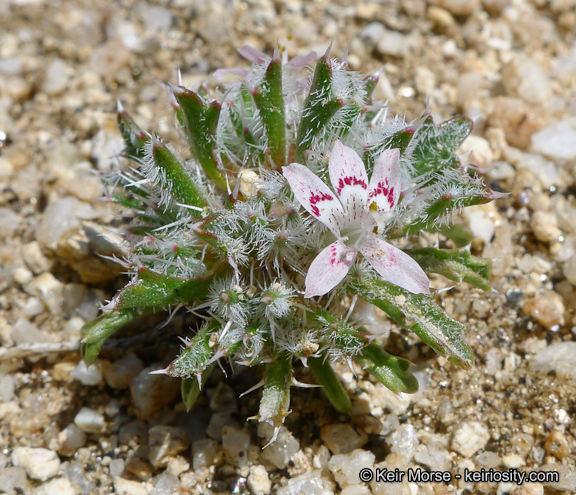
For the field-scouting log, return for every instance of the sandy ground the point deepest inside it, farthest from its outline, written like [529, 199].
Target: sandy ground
[509, 64]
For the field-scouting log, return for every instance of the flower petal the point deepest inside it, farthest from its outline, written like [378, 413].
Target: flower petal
[329, 268]
[386, 181]
[349, 180]
[395, 266]
[315, 196]
[253, 54]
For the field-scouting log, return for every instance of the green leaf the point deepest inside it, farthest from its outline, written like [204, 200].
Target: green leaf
[457, 265]
[370, 83]
[332, 387]
[98, 331]
[173, 177]
[391, 371]
[420, 314]
[275, 401]
[153, 289]
[319, 108]
[400, 140]
[134, 137]
[200, 122]
[270, 102]
[429, 219]
[195, 356]
[190, 388]
[436, 145]
[340, 335]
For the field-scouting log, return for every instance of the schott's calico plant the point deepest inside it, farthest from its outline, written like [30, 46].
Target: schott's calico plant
[300, 194]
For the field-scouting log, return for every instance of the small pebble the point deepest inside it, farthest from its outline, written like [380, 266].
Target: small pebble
[120, 373]
[343, 438]
[49, 289]
[258, 480]
[546, 308]
[557, 445]
[32, 307]
[151, 393]
[569, 269]
[345, 467]
[177, 465]
[544, 225]
[529, 489]
[310, 483]
[458, 7]
[203, 451]
[281, 451]
[24, 332]
[470, 438]
[89, 420]
[236, 443]
[35, 258]
[56, 78]
[525, 78]
[392, 43]
[166, 485]
[557, 141]
[116, 467]
[40, 464]
[513, 461]
[87, 375]
[404, 441]
[71, 439]
[56, 486]
[123, 486]
[13, 479]
[165, 442]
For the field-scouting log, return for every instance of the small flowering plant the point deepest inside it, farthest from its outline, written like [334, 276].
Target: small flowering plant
[300, 195]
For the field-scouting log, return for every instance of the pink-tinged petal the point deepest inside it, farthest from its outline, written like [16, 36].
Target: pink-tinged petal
[386, 181]
[303, 60]
[253, 54]
[395, 266]
[349, 180]
[329, 268]
[231, 70]
[315, 196]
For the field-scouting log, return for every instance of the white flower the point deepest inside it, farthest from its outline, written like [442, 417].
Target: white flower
[348, 214]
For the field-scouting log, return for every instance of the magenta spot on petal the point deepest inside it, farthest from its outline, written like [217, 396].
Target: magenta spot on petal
[316, 198]
[350, 181]
[383, 189]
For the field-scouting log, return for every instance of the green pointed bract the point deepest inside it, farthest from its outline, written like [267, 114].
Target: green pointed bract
[275, 401]
[370, 83]
[400, 140]
[331, 386]
[153, 289]
[420, 314]
[270, 102]
[320, 107]
[456, 265]
[134, 137]
[344, 337]
[391, 371]
[436, 145]
[434, 214]
[95, 333]
[176, 179]
[195, 356]
[200, 122]
[190, 388]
